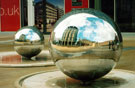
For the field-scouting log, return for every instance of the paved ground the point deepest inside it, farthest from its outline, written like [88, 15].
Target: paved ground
[9, 75]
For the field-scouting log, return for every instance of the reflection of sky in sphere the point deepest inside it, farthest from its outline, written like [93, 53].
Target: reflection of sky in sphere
[29, 34]
[90, 27]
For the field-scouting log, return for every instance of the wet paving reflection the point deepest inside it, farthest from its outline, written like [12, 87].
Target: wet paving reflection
[15, 59]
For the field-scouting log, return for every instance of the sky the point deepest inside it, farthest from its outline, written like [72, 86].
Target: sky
[29, 34]
[59, 3]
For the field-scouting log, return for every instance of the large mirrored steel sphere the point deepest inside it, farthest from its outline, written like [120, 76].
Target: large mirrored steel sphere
[85, 44]
[29, 41]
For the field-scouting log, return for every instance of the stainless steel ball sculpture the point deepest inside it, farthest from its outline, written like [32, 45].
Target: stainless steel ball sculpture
[29, 41]
[85, 44]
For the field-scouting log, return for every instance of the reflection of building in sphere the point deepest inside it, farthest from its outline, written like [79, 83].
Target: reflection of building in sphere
[69, 37]
[22, 38]
[85, 42]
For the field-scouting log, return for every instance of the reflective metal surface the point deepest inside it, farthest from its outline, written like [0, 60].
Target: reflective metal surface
[85, 44]
[29, 41]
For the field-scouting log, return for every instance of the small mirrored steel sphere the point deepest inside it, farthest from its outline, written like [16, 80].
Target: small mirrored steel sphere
[29, 41]
[85, 44]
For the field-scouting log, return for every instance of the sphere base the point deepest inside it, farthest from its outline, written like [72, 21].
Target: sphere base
[117, 78]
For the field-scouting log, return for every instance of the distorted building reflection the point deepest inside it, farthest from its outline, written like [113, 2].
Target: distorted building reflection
[69, 37]
[22, 38]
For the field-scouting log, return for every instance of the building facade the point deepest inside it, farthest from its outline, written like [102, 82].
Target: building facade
[52, 14]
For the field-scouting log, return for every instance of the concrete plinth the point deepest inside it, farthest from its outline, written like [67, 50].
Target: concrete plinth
[117, 78]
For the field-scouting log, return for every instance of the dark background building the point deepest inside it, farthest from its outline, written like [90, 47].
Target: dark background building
[122, 11]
